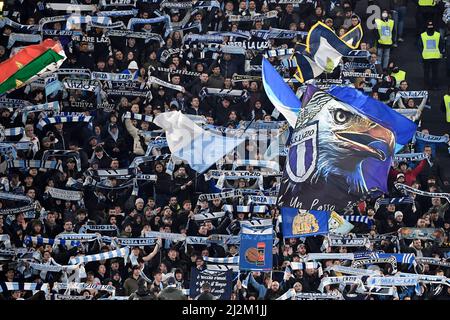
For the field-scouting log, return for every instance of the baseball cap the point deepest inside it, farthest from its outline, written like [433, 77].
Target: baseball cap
[400, 175]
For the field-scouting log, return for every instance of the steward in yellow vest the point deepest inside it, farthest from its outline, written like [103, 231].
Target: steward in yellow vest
[431, 46]
[446, 105]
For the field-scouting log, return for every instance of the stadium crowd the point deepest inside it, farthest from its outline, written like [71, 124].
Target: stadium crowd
[120, 130]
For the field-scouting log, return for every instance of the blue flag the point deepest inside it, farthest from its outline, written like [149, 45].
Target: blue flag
[297, 223]
[279, 93]
[255, 250]
[341, 150]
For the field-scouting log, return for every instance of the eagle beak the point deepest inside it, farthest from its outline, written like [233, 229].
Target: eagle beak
[361, 140]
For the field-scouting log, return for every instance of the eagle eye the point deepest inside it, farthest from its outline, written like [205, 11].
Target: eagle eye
[341, 116]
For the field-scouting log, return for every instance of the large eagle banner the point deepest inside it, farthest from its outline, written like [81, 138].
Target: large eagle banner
[341, 149]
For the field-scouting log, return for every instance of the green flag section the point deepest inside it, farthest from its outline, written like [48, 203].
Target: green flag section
[27, 65]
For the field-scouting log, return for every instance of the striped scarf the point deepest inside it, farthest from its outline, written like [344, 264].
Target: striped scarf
[34, 164]
[51, 107]
[405, 258]
[10, 132]
[360, 219]
[402, 200]
[226, 260]
[138, 116]
[208, 216]
[64, 117]
[123, 252]
[76, 20]
[405, 188]
[28, 286]
[7, 21]
[43, 241]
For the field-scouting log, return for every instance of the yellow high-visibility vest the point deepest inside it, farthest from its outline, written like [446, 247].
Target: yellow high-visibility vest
[427, 3]
[431, 45]
[447, 106]
[385, 29]
[399, 77]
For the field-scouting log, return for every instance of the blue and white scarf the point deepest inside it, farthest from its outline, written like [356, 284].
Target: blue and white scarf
[221, 195]
[51, 107]
[410, 157]
[23, 37]
[68, 195]
[97, 228]
[118, 13]
[133, 21]
[42, 241]
[405, 188]
[257, 163]
[76, 20]
[28, 286]
[361, 219]
[64, 117]
[82, 286]
[352, 271]
[15, 197]
[7, 21]
[431, 138]
[26, 164]
[391, 281]
[256, 17]
[123, 252]
[77, 237]
[10, 132]
[105, 76]
[262, 200]
[402, 200]
[275, 33]
[138, 116]
[406, 258]
[131, 242]
[280, 53]
[226, 260]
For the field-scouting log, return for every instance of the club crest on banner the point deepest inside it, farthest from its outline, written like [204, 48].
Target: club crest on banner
[302, 159]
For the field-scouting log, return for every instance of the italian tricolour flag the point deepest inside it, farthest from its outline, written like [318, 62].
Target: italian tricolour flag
[30, 63]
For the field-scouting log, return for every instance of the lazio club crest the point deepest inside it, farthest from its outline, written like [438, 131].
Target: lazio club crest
[302, 157]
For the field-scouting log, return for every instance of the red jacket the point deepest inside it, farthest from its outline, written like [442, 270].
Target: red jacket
[410, 174]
